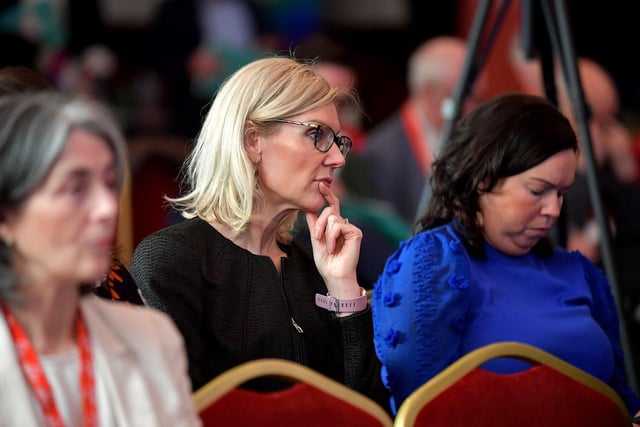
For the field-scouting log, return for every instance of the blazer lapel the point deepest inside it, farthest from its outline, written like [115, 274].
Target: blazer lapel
[17, 406]
[117, 365]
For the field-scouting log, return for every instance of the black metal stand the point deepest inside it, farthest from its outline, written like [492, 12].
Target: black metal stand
[558, 37]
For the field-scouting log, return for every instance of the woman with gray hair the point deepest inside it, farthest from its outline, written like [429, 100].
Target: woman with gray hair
[68, 357]
[231, 276]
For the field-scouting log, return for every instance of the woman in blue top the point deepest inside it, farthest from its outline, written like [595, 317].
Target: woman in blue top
[482, 269]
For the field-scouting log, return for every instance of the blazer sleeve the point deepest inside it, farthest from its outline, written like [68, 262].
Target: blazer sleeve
[419, 305]
[140, 356]
[169, 278]
[361, 366]
[186, 413]
[605, 313]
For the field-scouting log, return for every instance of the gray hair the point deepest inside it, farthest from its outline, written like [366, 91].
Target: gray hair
[220, 175]
[34, 131]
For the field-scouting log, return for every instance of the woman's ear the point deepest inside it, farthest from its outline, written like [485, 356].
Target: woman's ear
[482, 186]
[252, 145]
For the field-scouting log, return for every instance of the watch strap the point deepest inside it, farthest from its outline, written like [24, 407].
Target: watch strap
[342, 305]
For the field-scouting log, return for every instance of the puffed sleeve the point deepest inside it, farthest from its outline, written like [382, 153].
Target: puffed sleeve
[419, 305]
[605, 313]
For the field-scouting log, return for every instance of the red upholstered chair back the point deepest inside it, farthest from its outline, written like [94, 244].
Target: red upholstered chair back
[550, 393]
[312, 400]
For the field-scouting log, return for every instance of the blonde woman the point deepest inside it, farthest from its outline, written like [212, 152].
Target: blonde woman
[230, 276]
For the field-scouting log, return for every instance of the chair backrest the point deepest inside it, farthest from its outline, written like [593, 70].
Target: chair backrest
[124, 236]
[312, 400]
[550, 393]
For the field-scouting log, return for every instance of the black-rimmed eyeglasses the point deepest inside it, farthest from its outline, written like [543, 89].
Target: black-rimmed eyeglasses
[323, 136]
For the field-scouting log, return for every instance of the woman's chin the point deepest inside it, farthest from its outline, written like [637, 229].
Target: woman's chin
[97, 271]
[315, 208]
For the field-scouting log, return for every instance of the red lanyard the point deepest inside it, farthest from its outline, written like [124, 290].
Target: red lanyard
[32, 370]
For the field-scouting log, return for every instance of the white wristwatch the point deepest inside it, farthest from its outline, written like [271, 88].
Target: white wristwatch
[342, 305]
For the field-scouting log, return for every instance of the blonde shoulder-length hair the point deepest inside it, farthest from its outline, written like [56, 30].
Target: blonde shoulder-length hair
[218, 173]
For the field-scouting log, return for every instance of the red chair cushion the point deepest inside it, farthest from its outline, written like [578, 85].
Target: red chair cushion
[539, 396]
[298, 405]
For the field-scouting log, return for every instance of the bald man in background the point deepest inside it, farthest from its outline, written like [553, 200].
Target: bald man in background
[613, 154]
[612, 147]
[397, 154]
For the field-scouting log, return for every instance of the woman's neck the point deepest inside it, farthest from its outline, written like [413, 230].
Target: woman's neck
[259, 237]
[48, 316]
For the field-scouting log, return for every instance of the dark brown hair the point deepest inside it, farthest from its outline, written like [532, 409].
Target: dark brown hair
[505, 136]
[16, 79]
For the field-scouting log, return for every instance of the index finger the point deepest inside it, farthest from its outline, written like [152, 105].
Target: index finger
[331, 198]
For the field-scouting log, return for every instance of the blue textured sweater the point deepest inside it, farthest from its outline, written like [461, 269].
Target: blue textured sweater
[434, 303]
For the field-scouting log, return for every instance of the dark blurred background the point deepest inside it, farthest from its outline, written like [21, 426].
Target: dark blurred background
[150, 42]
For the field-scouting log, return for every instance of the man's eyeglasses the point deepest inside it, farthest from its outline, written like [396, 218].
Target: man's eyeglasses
[323, 136]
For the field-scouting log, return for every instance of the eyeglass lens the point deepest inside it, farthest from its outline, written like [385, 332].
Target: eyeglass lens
[325, 137]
